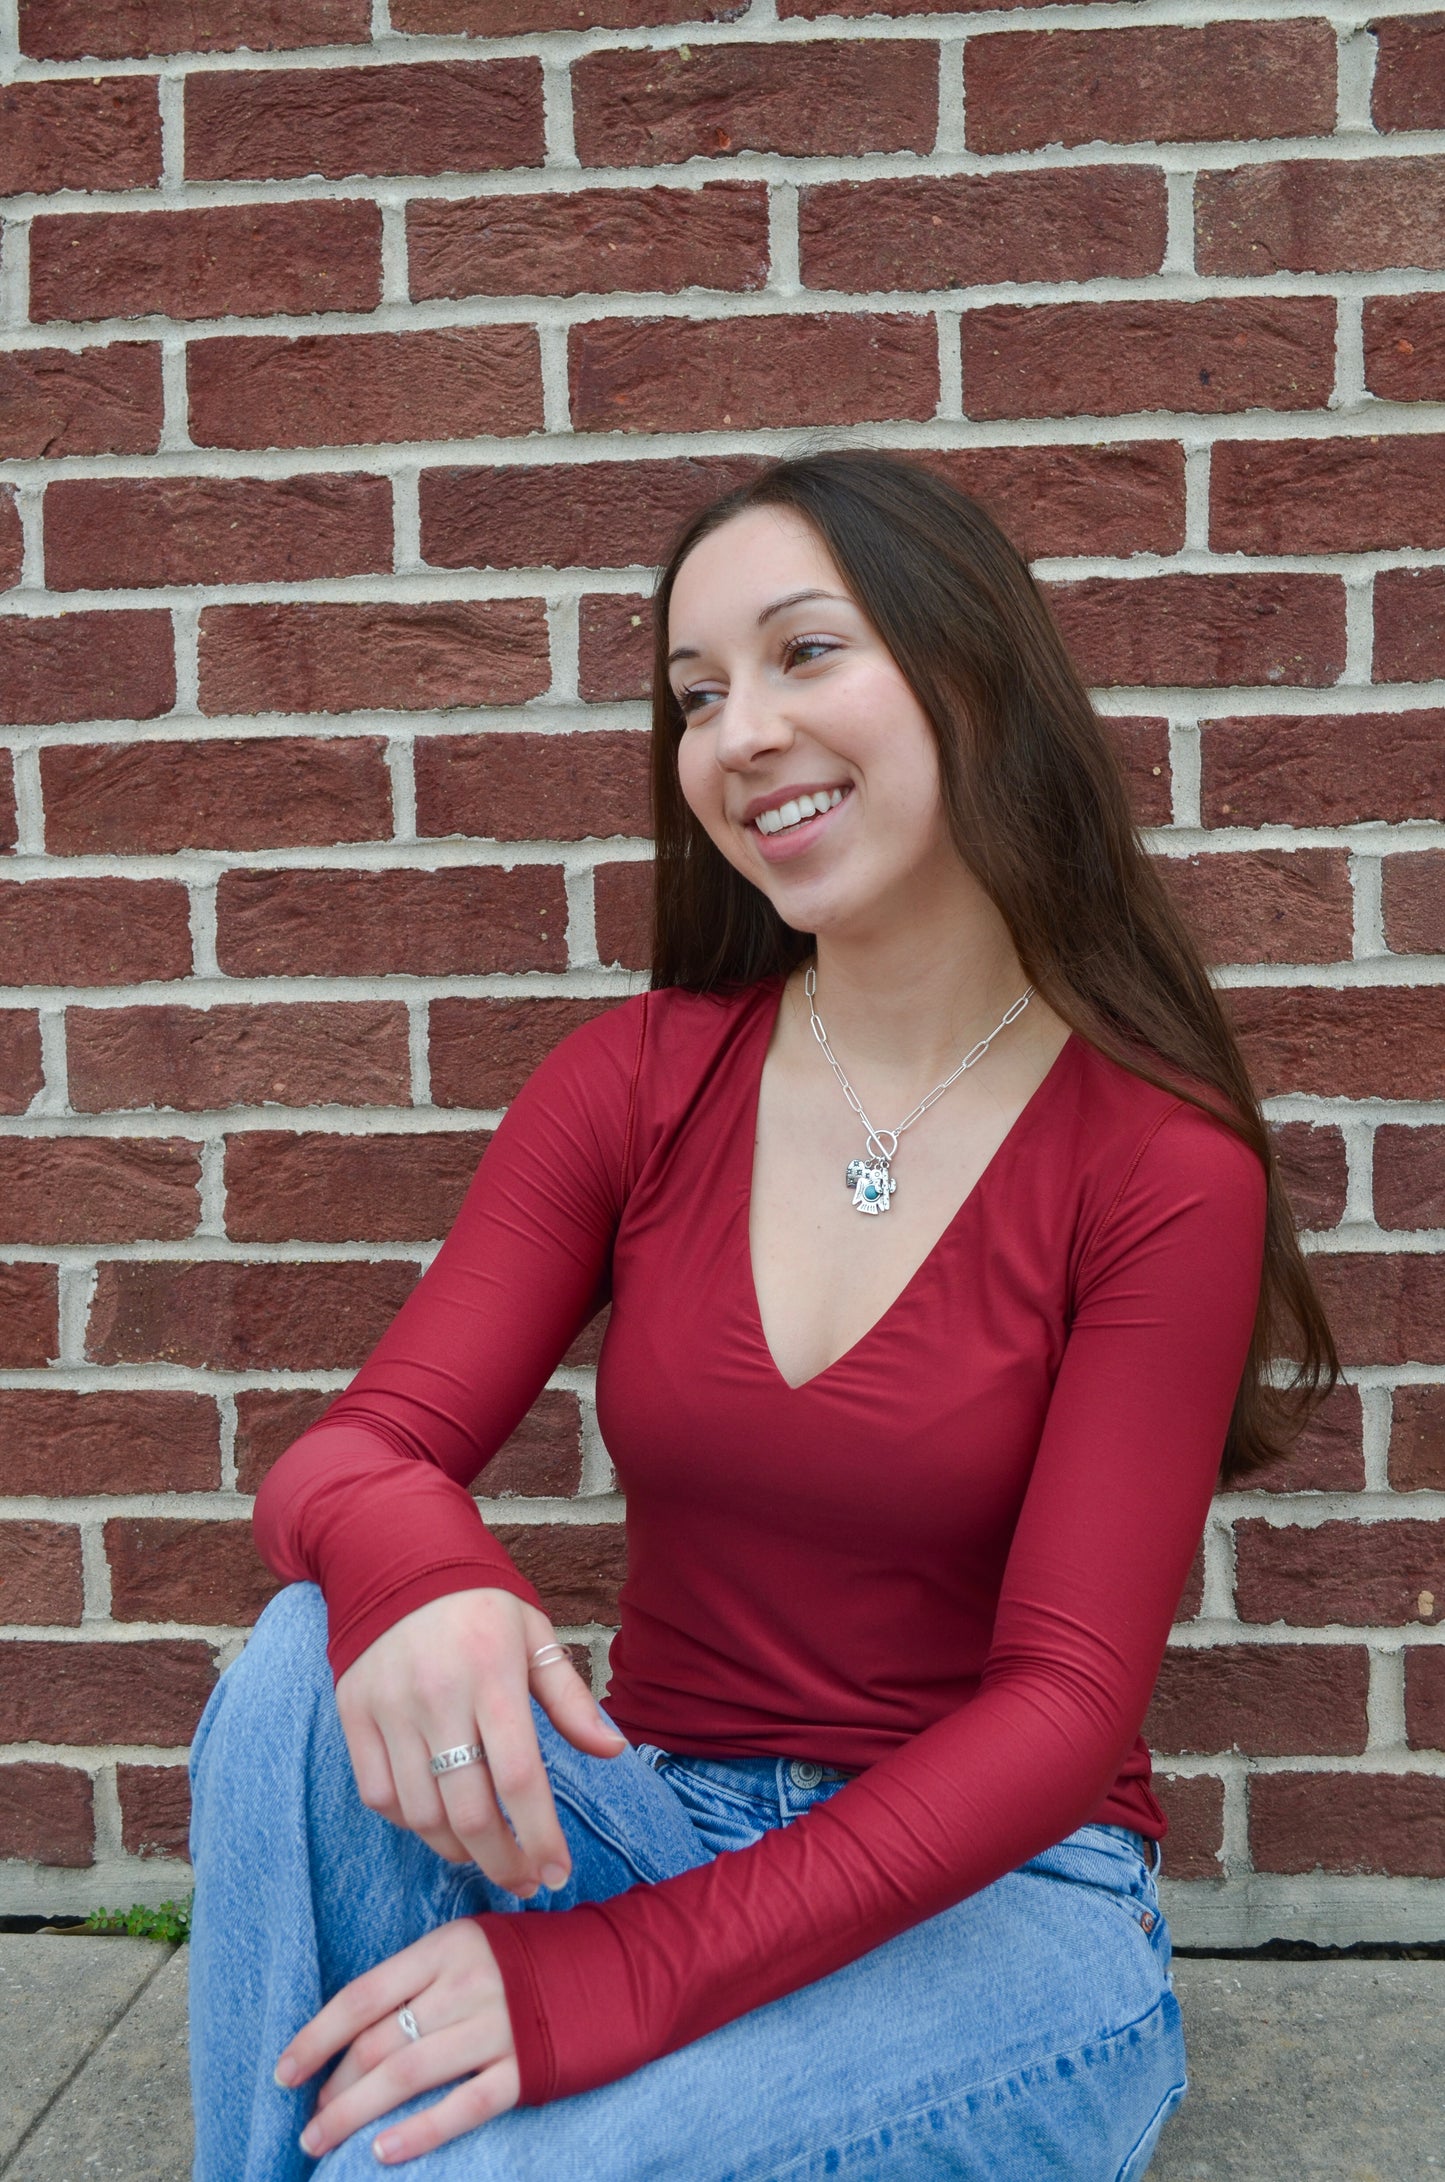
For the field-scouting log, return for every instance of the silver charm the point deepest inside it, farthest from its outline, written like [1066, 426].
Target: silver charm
[871, 1183]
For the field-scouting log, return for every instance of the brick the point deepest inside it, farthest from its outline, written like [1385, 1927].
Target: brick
[951, 231]
[9, 821]
[1384, 1308]
[543, 1457]
[94, 931]
[526, 787]
[120, 533]
[1409, 84]
[286, 1186]
[423, 117]
[105, 400]
[338, 390]
[345, 658]
[1327, 1457]
[1269, 1700]
[231, 1315]
[1391, 1823]
[74, 134]
[622, 895]
[175, 1569]
[40, 1575]
[155, 1809]
[1203, 631]
[54, 1442]
[72, 30]
[1345, 1043]
[578, 1568]
[1327, 496]
[1405, 347]
[1324, 769]
[104, 666]
[810, 9]
[483, 1051]
[1142, 748]
[460, 921]
[29, 1316]
[1122, 497]
[615, 647]
[1378, 1575]
[47, 1815]
[12, 555]
[1194, 1806]
[569, 514]
[197, 1060]
[1410, 625]
[287, 791]
[1311, 1161]
[1414, 903]
[642, 106]
[1425, 1697]
[78, 1189]
[1217, 82]
[1269, 905]
[505, 18]
[22, 1071]
[671, 374]
[1321, 216]
[590, 241]
[1409, 1176]
[98, 1692]
[1417, 1439]
[268, 1419]
[225, 260]
[1110, 359]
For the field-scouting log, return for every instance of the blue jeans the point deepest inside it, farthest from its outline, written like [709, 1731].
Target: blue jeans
[1029, 2031]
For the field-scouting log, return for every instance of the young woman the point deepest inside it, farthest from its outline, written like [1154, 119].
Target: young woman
[946, 1257]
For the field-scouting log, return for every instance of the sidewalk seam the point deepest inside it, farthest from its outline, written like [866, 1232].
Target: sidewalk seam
[86, 2058]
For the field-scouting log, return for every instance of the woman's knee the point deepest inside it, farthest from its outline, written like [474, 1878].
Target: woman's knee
[282, 1674]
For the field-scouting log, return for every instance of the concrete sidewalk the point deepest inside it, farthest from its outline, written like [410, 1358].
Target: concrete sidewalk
[1300, 2072]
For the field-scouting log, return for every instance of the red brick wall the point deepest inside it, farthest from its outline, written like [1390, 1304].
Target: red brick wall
[358, 360]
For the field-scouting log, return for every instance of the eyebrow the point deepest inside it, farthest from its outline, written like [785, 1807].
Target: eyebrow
[794, 598]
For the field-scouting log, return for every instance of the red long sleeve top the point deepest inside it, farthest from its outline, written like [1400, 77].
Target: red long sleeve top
[952, 1558]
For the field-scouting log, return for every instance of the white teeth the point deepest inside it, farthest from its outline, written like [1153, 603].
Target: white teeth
[793, 814]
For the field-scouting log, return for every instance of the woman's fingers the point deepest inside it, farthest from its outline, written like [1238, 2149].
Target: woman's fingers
[414, 2066]
[481, 2098]
[519, 1782]
[421, 1806]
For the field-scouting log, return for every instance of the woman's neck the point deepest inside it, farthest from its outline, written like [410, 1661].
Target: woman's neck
[910, 1001]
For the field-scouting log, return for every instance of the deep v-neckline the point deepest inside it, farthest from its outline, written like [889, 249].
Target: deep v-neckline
[1026, 1117]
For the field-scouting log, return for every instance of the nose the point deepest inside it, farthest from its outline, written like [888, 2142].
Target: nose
[751, 722]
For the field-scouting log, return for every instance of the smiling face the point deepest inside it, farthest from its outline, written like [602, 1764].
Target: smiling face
[784, 694]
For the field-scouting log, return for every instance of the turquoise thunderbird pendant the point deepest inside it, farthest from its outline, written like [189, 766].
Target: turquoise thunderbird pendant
[871, 1183]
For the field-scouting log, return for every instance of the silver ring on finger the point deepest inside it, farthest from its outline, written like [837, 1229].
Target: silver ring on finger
[547, 1655]
[409, 2024]
[449, 1761]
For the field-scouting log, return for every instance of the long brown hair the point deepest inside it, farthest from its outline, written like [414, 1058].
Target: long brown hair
[1038, 808]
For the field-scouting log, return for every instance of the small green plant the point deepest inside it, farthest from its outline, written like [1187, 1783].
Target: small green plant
[172, 1921]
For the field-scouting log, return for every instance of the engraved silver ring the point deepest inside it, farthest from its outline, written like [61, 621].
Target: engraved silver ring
[448, 1761]
[408, 2023]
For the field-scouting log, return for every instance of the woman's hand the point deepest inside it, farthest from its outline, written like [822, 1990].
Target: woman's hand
[456, 1672]
[452, 1985]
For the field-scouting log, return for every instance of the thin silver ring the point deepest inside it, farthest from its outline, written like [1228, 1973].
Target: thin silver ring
[408, 2022]
[547, 1655]
[449, 1761]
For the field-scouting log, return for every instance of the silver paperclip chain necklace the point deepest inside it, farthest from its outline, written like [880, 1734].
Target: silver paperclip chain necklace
[869, 1179]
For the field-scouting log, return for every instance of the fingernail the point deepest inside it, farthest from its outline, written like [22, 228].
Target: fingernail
[382, 2148]
[284, 2074]
[553, 1876]
[611, 1728]
[310, 2137]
